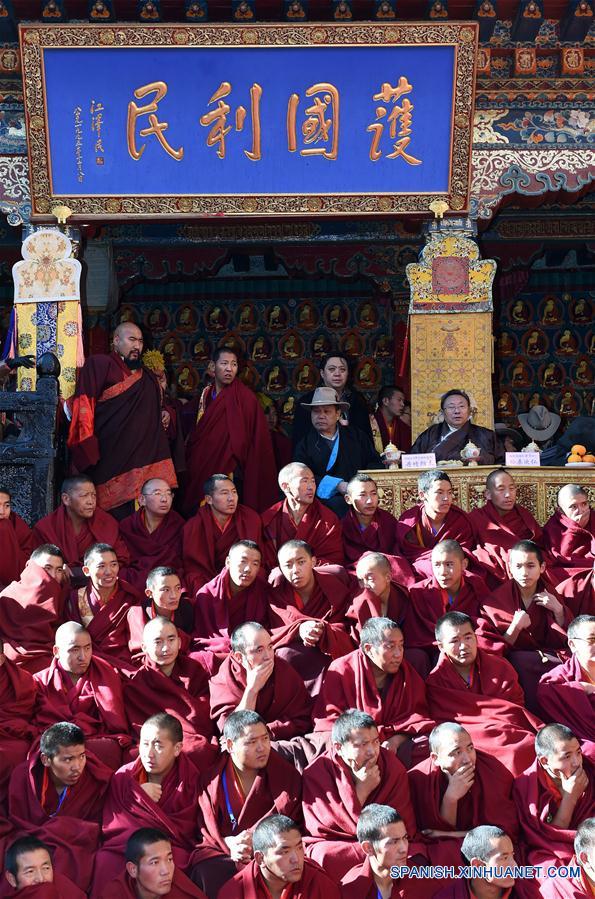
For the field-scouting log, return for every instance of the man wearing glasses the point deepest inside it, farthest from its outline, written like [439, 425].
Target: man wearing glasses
[447, 438]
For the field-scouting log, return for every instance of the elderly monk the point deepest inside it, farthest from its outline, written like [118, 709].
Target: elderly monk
[18, 691]
[153, 535]
[490, 848]
[500, 524]
[29, 871]
[171, 682]
[249, 782]
[103, 606]
[77, 524]
[163, 598]
[480, 691]
[569, 535]
[380, 596]
[212, 531]
[151, 871]
[307, 612]
[578, 592]
[301, 517]
[32, 609]
[159, 790]
[434, 519]
[581, 886]
[86, 691]
[448, 438]
[354, 772]
[368, 528]
[566, 693]
[57, 795]
[231, 435]
[553, 796]
[279, 868]
[253, 678]
[457, 788]
[16, 541]
[378, 680]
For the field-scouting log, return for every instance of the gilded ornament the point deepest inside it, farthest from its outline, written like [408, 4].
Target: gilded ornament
[113, 205]
[249, 204]
[36, 123]
[467, 35]
[457, 201]
[31, 37]
[185, 204]
[42, 205]
[314, 204]
[106, 36]
[385, 204]
[62, 214]
[461, 120]
[319, 35]
[180, 37]
[248, 37]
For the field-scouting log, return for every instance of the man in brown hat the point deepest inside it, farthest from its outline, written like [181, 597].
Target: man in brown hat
[540, 425]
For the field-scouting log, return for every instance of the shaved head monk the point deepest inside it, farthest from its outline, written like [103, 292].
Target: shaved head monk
[153, 534]
[279, 866]
[490, 848]
[354, 772]
[380, 597]
[151, 871]
[377, 679]
[17, 731]
[16, 541]
[569, 535]
[567, 692]
[249, 782]
[214, 528]
[164, 598]
[86, 691]
[432, 520]
[29, 870]
[584, 857]
[301, 516]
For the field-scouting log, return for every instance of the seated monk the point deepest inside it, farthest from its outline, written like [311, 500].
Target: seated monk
[248, 783]
[208, 536]
[583, 885]
[578, 592]
[86, 691]
[301, 516]
[16, 541]
[450, 436]
[164, 599]
[353, 773]
[159, 790]
[457, 788]
[566, 693]
[480, 691]
[171, 682]
[18, 691]
[77, 524]
[29, 871]
[103, 607]
[525, 620]
[32, 609]
[378, 680]
[433, 520]
[57, 795]
[279, 866]
[153, 534]
[380, 598]
[569, 535]
[151, 871]
[500, 524]
[553, 796]
[307, 613]
[252, 677]
[368, 528]
[490, 848]
[388, 423]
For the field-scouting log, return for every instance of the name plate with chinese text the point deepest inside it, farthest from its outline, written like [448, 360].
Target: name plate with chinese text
[418, 460]
[531, 460]
[327, 119]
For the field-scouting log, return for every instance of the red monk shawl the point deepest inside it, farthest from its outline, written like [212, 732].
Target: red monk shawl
[562, 698]
[397, 433]
[232, 436]
[16, 545]
[367, 605]
[17, 689]
[70, 828]
[380, 536]
[498, 611]
[283, 701]
[61, 888]
[567, 887]
[31, 609]
[319, 527]
[578, 593]
[491, 708]
[149, 550]
[248, 884]
[349, 684]
[359, 883]
[569, 545]
[217, 612]
[57, 528]
[116, 435]
[428, 602]
[416, 540]
[205, 546]
[108, 628]
[496, 534]
[124, 887]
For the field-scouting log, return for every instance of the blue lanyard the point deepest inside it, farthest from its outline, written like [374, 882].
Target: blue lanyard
[61, 797]
[232, 817]
[334, 452]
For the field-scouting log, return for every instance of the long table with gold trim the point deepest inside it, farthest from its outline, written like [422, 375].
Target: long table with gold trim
[537, 487]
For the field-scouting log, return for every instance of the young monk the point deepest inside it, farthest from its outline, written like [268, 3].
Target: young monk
[380, 597]
[567, 692]
[153, 534]
[16, 541]
[17, 731]
[29, 872]
[489, 848]
[164, 598]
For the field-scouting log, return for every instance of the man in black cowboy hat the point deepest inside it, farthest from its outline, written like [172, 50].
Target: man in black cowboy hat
[448, 438]
[540, 425]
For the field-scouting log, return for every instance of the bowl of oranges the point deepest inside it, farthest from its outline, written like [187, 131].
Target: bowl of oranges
[580, 458]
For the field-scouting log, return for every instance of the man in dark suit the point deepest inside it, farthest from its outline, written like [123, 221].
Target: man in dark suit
[448, 438]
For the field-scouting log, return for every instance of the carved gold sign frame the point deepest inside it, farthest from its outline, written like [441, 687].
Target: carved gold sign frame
[35, 38]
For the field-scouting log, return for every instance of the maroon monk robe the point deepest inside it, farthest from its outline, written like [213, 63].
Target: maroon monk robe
[231, 435]
[359, 883]
[490, 707]
[18, 690]
[217, 612]
[128, 807]
[137, 618]
[108, 628]
[124, 887]
[249, 884]
[428, 602]
[95, 703]
[16, 545]
[562, 699]
[496, 534]
[31, 609]
[283, 701]
[70, 827]
[57, 528]
[569, 545]
[398, 432]
[149, 550]
[205, 546]
[578, 592]
[332, 809]
[61, 888]
[184, 694]
[380, 536]
[319, 527]
[417, 538]
[367, 605]
[567, 887]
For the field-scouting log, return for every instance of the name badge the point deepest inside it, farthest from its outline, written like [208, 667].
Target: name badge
[531, 460]
[418, 460]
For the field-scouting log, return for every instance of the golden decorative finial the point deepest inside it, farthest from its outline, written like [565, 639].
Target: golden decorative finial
[439, 207]
[62, 213]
